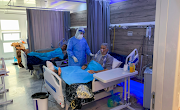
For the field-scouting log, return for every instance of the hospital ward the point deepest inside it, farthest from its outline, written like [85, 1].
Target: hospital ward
[89, 54]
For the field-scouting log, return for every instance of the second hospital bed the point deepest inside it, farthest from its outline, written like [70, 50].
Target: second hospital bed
[53, 84]
[37, 69]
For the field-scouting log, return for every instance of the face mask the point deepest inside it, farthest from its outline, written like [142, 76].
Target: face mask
[80, 36]
[101, 50]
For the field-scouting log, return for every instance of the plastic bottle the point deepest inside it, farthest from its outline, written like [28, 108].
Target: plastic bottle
[134, 67]
[52, 45]
[0, 64]
[3, 64]
[131, 68]
[129, 65]
[15, 60]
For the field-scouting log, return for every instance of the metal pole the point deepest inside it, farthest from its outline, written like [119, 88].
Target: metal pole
[125, 89]
[128, 89]
[140, 71]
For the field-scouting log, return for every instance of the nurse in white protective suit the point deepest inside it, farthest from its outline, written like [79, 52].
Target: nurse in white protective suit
[77, 49]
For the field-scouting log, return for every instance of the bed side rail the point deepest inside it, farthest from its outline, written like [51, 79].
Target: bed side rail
[24, 59]
[53, 85]
[133, 57]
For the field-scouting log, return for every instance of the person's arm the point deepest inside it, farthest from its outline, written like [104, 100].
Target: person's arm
[92, 71]
[69, 48]
[54, 58]
[109, 62]
[108, 65]
[65, 56]
[88, 51]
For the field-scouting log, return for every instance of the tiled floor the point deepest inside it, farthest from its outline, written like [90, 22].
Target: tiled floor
[22, 85]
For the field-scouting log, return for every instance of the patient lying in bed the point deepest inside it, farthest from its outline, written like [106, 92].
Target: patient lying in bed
[52, 55]
[102, 57]
[74, 74]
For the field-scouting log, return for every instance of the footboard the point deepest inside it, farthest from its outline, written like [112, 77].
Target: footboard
[24, 59]
[53, 85]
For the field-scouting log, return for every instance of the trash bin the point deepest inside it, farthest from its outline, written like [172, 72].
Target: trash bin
[40, 101]
[147, 88]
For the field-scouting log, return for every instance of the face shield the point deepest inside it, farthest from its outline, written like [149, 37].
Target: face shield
[79, 33]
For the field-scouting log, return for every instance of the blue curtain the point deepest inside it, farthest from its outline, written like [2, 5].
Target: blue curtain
[67, 25]
[30, 40]
[98, 22]
[46, 28]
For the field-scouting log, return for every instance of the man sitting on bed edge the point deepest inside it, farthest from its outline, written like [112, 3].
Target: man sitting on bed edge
[102, 57]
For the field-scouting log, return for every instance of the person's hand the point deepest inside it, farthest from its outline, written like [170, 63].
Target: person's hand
[92, 55]
[53, 58]
[83, 67]
[91, 71]
[75, 59]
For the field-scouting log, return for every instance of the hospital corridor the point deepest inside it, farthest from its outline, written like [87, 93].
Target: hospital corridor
[89, 54]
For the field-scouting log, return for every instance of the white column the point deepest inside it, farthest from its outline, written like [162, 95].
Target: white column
[166, 62]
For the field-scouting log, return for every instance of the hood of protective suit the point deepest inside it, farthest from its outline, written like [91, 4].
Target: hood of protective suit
[79, 30]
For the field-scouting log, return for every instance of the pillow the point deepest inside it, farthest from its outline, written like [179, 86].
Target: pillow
[116, 63]
[93, 65]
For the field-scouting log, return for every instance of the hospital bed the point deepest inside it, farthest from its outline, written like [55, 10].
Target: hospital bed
[24, 56]
[53, 82]
[24, 59]
[37, 69]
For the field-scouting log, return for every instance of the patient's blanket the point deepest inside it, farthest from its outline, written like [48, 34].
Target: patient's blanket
[74, 74]
[48, 55]
[78, 94]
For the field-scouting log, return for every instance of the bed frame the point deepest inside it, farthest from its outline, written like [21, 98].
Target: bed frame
[24, 59]
[54, 86]
[37, 68]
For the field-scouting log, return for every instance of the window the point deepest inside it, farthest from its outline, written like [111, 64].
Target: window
[10, 33]
[9, 25]
[7, 47]
[11, 36]
[8, 39]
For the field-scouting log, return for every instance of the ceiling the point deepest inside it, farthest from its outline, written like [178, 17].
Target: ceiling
[20, 5]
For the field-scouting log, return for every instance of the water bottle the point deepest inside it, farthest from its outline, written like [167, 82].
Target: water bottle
[0, 64]
[129, 65]
[52, 45]
[3, 66]
[15, 60]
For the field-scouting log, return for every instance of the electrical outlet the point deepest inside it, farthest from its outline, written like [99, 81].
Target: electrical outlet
[130, 33]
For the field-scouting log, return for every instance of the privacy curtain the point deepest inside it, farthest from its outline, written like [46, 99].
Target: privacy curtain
[45, 28]
[67, 25]
[98, 21]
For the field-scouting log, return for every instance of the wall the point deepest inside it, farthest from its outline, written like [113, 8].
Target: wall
[128, 11]
[79, 18]
[22, 26]
[131, 11]
[166, 62]
[124, 44]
